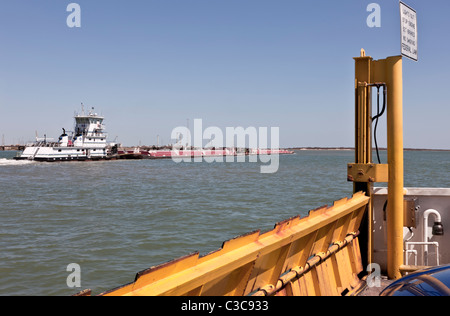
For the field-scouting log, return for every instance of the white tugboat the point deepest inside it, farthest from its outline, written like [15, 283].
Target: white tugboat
[87, 142]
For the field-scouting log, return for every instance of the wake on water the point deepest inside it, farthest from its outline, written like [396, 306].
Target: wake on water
[11, 162]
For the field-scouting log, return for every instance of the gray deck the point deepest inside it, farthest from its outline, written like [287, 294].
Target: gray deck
[375, 291]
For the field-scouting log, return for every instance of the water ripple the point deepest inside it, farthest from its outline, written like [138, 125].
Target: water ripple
[119, 217]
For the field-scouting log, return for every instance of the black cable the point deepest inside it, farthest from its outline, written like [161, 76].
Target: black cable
[376, 123]
[384, 100]
[376, 117]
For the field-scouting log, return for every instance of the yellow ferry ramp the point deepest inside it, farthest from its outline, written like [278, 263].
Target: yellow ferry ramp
[315, 255]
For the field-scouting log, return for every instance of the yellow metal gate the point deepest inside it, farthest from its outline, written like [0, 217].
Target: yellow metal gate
[315, 255]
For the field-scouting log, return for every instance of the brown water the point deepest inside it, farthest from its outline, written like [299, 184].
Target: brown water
[116, 218]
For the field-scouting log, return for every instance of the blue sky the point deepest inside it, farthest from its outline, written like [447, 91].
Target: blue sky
[150, 65]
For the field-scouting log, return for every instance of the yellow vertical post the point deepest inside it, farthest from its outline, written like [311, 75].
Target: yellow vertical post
[363, 144]
[390, 72]
[394, 80]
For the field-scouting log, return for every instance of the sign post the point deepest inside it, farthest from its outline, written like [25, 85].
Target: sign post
[409, 46]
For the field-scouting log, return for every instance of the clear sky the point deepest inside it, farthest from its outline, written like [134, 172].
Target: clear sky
[151, 65]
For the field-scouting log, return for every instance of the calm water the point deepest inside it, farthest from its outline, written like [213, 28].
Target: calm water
[119, 217]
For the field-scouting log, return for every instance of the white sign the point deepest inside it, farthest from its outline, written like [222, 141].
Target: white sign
[408, 18]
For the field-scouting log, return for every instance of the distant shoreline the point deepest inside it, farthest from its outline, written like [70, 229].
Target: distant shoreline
[352, 148]
[21, 147]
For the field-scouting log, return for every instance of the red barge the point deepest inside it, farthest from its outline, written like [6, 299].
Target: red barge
[138, 153]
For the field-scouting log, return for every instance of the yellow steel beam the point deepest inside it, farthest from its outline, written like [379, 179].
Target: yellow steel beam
[253, 261]
[389, 72]
[363, 141]
[395, 161]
